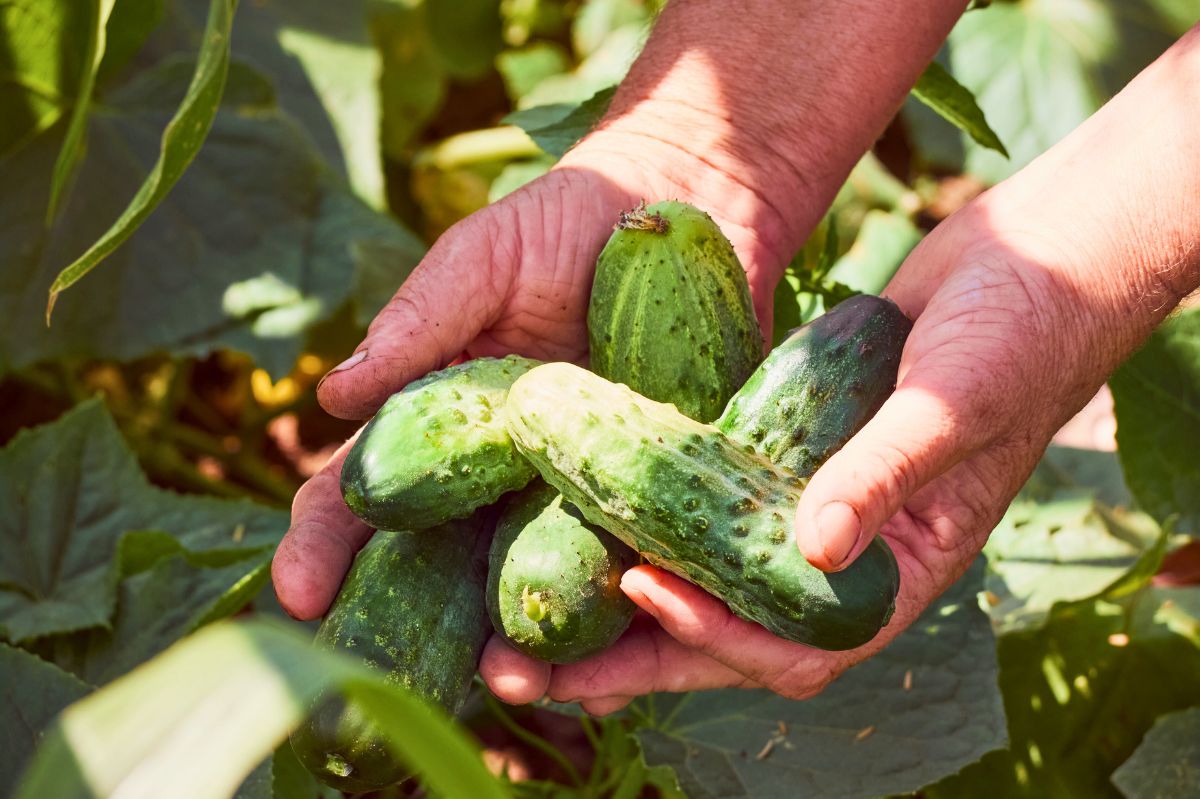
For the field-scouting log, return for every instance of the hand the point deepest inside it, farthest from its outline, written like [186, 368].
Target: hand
[514, 277]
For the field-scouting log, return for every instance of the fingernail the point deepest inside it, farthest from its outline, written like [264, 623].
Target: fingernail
[838, 530]
[349, 363]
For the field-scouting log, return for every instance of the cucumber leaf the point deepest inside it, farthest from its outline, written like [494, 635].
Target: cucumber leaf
[75, 490]
[557, 127]
[954, 102]
[924, 707]
[1156, 398]
[32, 693]
[181, 140]
[196, 720]
[1167, 764]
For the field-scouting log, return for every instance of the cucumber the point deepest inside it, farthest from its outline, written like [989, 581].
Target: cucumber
[821, 384]
[413, 608]
[437, 450]
[554, 580]
[670, 313]
[695, 503]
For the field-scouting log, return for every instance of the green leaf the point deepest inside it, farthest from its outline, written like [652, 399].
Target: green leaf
[884, 241]
[1040, 68]
[516, 175]
[73, 490]
[466, 34]
[954, 102]
[1167, 764]
[598, 20]
[257, 214]
[557, 136]
[1081, 690]
[129, 25]
[32, 693]
[181, 141]
[1156, 398]
[524, 69]
[45, 47]
[413, 81]
[195, 721]
[924, 707]
[1059, 543]
[100, 11]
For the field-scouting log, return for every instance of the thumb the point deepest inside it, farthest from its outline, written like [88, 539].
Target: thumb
[453, 294]
[910, 441]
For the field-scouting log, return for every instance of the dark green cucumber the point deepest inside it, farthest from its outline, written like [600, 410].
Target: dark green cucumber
[437, 450]
[821, 384]
[670, 313]
[413, 608]
[695, 503]
[554, 580]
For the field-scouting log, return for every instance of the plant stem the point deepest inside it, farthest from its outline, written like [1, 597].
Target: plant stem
[491, 144]
[534, 740]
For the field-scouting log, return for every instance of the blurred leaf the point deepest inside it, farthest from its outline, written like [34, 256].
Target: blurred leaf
[128, 27]
[195, 721]
[516, 175]
[598, 19]
[556, 137]
[100, 11]
[924, 707]
[524, 69]
[1156, 398]
[74, 489]
[412, 83]
[380, 268]
[1167, 764]
[32, 693]
[1059, 543]
[883, 242]
[42, 53]
[1040, 68]
[938, 89]
[255, 245]
[601, 69]
[291, 780]
[1068, 467]
[466, 34]
[181, 140]
[1081, 690]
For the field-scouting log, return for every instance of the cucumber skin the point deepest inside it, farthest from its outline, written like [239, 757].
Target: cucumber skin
[542, 544]
[437, 449]
[413, 608]
[821, 385]
[670, 312]
[697, 504]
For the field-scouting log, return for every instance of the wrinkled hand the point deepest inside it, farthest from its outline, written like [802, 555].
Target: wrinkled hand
[514, 277]
[1001, 354]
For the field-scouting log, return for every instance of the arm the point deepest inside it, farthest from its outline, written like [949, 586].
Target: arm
[1025, 301]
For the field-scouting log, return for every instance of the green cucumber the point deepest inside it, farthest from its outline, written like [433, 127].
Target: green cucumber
[413, 608]
[554, 580]
[437, 450]
[670, 313]
[821, 384]
[695, 503]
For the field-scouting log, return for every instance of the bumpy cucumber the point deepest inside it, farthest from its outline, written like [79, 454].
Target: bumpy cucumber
[670, 313]
[437, 450]
[821, 384]
[554, 579]
[413, 608]
[695, 503]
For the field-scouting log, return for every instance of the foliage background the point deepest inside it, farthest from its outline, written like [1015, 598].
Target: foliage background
[252, 183]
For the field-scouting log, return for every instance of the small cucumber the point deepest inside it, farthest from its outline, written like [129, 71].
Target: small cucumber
[437, 450]
[820, 385]
[695, 503]
[413, 608]
[554, 580]
[670, 313]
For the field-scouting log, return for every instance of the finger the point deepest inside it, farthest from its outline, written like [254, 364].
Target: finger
[606, 705]
[511, 676]
[315, 554]
[913, 438]
[644, 660]
[703, 623]
[449, 298]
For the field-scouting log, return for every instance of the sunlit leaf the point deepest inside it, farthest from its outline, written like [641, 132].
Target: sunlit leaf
[938, 89]
[1167, 764]
[556, 134]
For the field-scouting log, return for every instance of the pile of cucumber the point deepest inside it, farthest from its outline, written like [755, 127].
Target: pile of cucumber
[511, 495]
